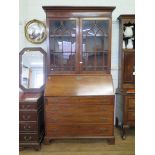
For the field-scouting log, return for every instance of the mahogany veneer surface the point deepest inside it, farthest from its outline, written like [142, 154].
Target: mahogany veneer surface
[79, 106]
[79, 85]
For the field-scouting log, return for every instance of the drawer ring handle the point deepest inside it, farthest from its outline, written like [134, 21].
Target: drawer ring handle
[26, 106]
[104, 119]
[103, 129]
[26, 117]
[27, 127]
[27, 138]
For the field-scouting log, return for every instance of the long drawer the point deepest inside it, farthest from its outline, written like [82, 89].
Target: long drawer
[79, 112]
[81, 118]
[76, 109]
[83, 100]
[80, 130]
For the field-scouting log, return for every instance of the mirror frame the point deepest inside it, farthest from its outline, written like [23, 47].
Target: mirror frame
[31, 49]
[38, 22]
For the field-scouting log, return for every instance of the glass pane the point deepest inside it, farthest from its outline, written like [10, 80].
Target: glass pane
[62, 45]
[95, 45]
[128, 35]
[62, 61]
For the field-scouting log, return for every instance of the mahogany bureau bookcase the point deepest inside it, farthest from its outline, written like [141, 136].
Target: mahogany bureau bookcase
[79, 95]
[125, 100]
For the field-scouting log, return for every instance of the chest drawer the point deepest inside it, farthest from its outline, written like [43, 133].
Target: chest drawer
[83, 100]
[81, 130]
[79, 108]
[79, 112]
[28, 137]
[131, 103]
[28, 116]
[81, 118]
[28, 106]
[131, 115]
[97, 100]
[27, 126]
[61, 100]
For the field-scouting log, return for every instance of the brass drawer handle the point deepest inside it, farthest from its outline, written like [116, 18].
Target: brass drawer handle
[55, 119]
[27, 127]
[26, 117]
[104, 109]
[55, 100]
[27, 138]
[26, 106]
[55, 108]
[104, 119]
[103, 129]
[67, 115]
[105, 100]
[55, 130]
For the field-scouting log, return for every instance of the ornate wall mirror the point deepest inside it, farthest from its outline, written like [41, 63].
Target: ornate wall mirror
[32, 69]
[35, 31]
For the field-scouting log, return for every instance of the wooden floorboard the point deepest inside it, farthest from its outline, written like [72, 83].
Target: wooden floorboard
[88, 146]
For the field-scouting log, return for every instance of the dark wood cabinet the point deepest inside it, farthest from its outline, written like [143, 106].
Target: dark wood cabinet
[79, 39]
[79, 95]
[31, 120]
[125, 94]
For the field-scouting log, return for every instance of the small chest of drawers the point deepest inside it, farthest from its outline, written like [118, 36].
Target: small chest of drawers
[31, 121]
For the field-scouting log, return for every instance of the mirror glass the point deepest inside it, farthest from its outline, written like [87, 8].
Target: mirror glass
[32, 69]
[32, 75]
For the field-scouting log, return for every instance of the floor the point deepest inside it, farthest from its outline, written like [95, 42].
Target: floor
[88, 147]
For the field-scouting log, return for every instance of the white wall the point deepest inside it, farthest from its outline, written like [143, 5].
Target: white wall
[32, 9]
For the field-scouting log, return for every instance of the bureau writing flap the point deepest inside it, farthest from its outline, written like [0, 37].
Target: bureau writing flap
[79, 85]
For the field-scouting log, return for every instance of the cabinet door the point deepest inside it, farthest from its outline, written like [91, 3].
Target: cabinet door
[95, 50]
[62, 45]
[129, 67]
